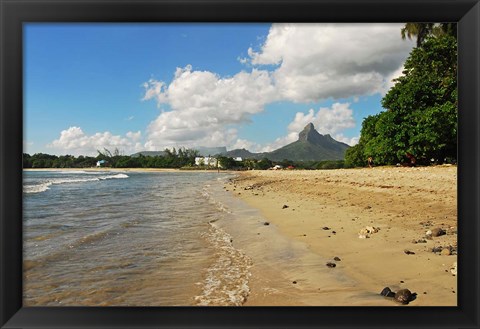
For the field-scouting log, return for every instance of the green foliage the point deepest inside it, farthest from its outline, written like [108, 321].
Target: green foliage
[228, 163]
[337, 164]
[263, 164]
[421, 115]
[172, 159]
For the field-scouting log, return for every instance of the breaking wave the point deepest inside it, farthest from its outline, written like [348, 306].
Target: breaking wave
[43, 186]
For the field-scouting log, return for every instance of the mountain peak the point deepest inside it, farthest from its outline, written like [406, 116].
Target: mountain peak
[308, 133]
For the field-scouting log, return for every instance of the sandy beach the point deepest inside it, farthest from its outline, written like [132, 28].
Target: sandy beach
[321, 214]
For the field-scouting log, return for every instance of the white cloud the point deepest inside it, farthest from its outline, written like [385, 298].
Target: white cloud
[333, 121]
[347, 140]
[306, 63]
[203, 106]
[326, 120]
[75, 142]
[320, 61]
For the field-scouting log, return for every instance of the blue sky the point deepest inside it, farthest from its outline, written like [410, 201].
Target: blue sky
[149, 86]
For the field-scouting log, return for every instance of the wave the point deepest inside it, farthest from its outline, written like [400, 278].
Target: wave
[45, 185]
[226, 283]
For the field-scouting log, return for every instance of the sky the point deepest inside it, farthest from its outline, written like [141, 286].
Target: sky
[147, 87]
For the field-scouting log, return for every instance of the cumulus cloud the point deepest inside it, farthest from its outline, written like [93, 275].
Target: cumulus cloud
[75, 142]
[320, 61]
[327, 120]
[300, 63]
[204, 106]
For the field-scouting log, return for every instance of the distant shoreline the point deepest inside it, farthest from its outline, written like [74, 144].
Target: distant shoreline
[127, 169]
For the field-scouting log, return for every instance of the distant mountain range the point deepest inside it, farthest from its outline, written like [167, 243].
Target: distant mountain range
[311, 145]
[203, 151]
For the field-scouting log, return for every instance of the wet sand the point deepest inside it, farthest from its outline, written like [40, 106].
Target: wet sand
[320, 214]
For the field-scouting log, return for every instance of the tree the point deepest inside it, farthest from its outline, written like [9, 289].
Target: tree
[421, 110]
[423, 30]
[263, 164]
[227, 162]
[423, 103]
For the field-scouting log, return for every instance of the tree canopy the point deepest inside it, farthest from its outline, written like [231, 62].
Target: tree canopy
[421, 110]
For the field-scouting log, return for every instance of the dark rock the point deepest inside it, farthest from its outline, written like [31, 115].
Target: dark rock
[408, 252]
[266, 223]
[403, 296]
[336, 259]
[294, 282]
[334, 232]
[329, 264]
[386, 292]
[284, 206]
[437, 249]
[326, 228]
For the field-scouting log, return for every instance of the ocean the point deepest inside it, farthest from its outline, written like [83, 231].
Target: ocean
[113, 238]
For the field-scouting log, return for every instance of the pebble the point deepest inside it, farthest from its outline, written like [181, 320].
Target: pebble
[436, 232]
[446, 252]
[284, 206]
[326, 228]
[329, 264]
[336, 259]
[294, 282]
[403, 296]
[387, 292]
[266, 223]
[408, 252]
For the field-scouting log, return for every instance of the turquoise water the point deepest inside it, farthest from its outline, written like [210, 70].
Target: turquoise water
[128, 238]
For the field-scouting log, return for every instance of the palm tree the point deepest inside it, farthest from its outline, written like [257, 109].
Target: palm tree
[420, 30]
[423, 30]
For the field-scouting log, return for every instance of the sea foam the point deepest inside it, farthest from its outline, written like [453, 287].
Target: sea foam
[45, 185]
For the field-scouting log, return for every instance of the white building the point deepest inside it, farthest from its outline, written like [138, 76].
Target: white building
[239, 159]
[206, 161]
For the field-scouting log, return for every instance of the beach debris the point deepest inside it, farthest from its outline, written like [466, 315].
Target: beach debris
[284, 206]
[419, 241]
[330, 264]
[336, 259]
[446, 251]
[266, 223]
[387, 292]
[435, 232]
[365, 232]
[408, 252]
[453, 269]
[403, 296]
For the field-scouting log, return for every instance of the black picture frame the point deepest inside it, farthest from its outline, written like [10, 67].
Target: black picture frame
[14, 13]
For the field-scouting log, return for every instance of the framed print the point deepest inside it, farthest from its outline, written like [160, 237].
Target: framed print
[239, 164]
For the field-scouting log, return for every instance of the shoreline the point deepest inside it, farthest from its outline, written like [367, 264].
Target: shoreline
[322, 213]
[93, 169]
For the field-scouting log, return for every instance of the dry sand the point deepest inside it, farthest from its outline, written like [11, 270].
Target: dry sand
[404, 203]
